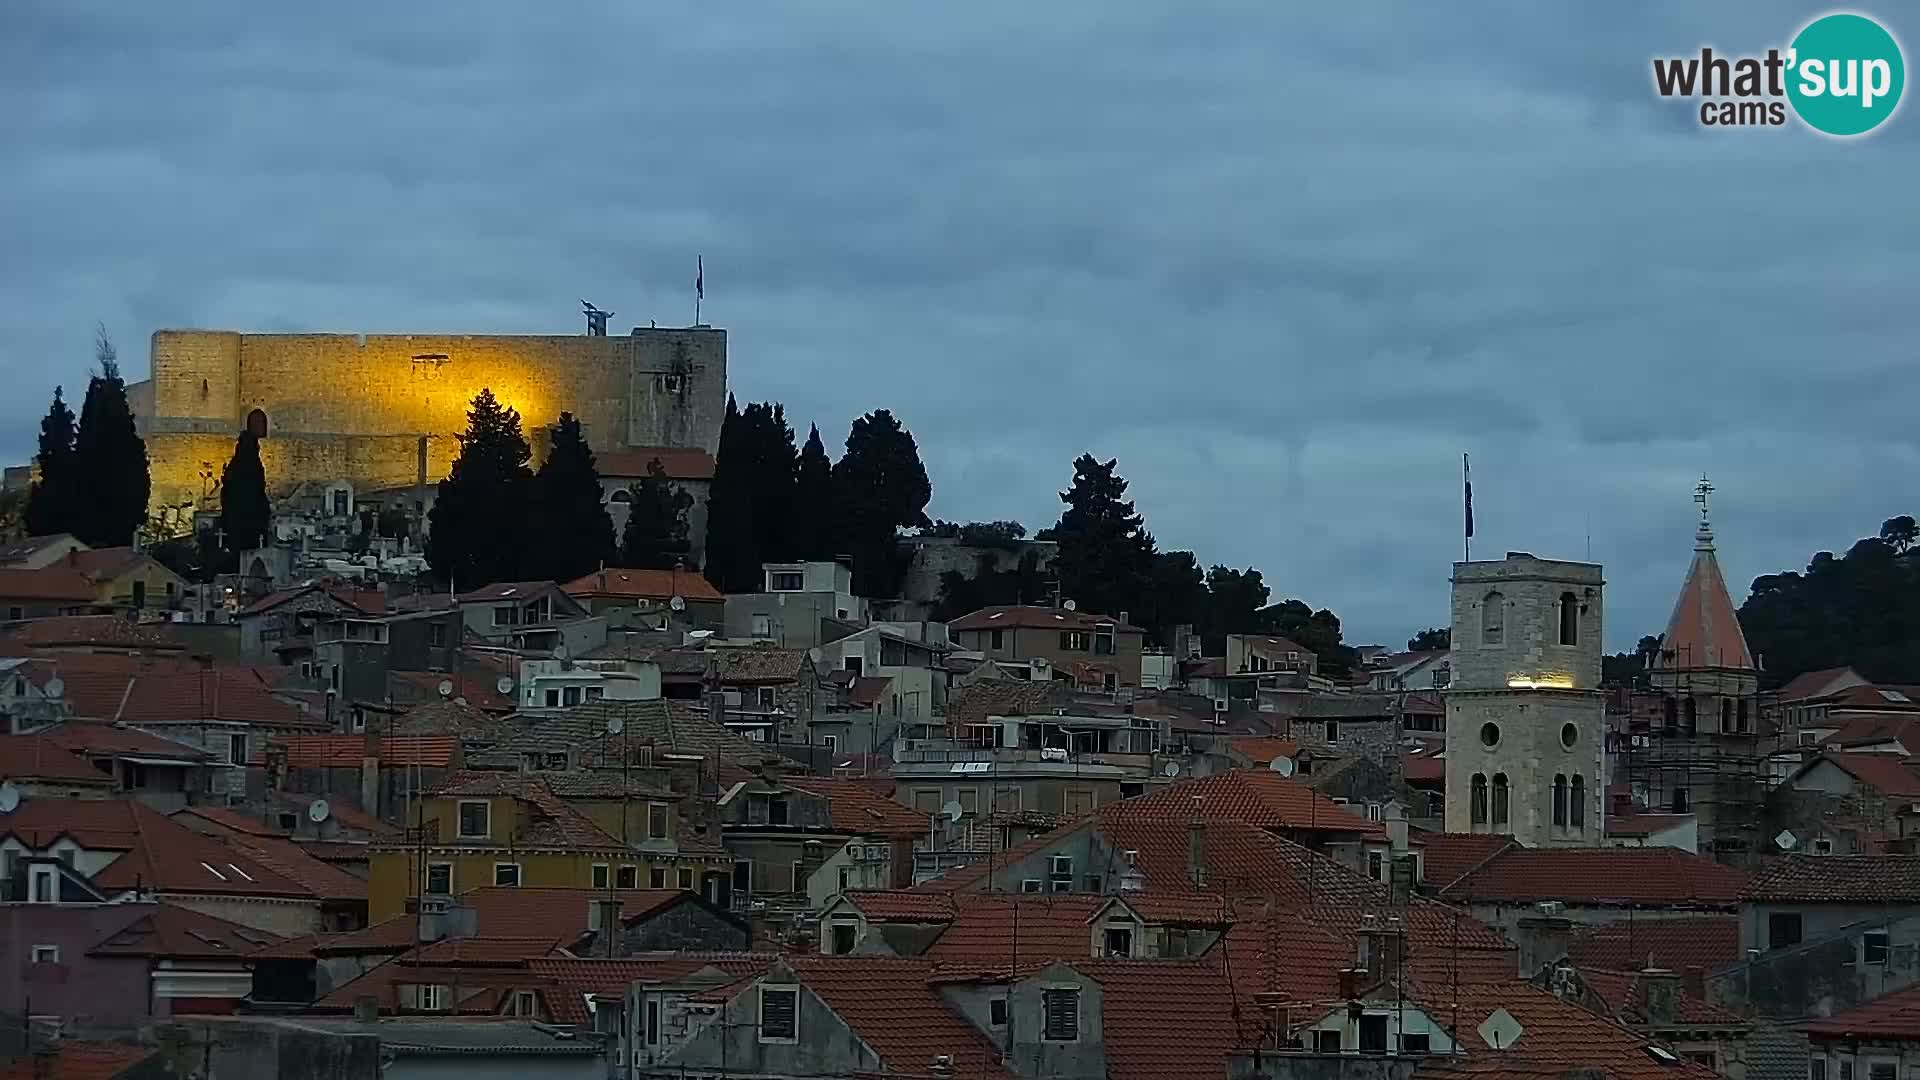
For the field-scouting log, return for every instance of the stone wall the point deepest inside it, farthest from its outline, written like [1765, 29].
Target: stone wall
[1529, 750]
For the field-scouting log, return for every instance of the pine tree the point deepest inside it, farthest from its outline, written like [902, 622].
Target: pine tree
[567, 509]
[1106, 554]
[732, 563]
[774, 464]
[814, 536]
[52, 506]
[879, 485]
[245, 513]
[480, 531]
[110, 458]
[656, 534]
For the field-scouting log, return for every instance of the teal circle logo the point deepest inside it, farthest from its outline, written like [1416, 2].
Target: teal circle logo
[1846, 74]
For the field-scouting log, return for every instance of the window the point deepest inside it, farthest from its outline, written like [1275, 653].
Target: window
[553, 699]
[779, 1014]
[1103, 639]
[762, 626]
[440, 878]
[1880, 1070]
[1693, 715]
[1822, 847]
[1783, 929]
[1061, 1007]
[652, 1023]
[1874, 946]
[629, 877]
[766, 698]
[1569, 619]
[435, 998]
[786, 581]
[657, 877]
[997, 1012]
[1577, 806]
[1681, 800]
[1376, 866]
[1333, 731]
[998, 641]
[1726, 716]
[506, 873]
[831, 742]
[1670, 715]
[1569, 734]
[1029, 884]
[1560, 799]
[1490, 734]
[1741, 720]
[506, 615]
[1373, 1033]
[656, 821]
[1074, 640]
[1501, 798]
[570, 696]
[686, 878]
[46, 885]
[1816, 1068]
[1421, 1043]
[855, 664]
[237, 749]
[844, 934]
[437, 635]
[1493, 619]
[475, 823]
[1478, 806]
[1326, 1042]
[1119, 941]
[46, 954]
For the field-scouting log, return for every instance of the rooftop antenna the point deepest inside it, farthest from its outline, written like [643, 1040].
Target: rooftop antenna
[596, 319]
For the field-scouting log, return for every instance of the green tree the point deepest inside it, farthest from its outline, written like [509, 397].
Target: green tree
[1316, 630]
[1176, 596]
[1234, 600]
[109, 458]
[1857, 609]
[1900, 533]
[990, 586]
[1433, 637]
[732, 560]
[814, 536]
[245, 513]
[880, 486]
[577, 533]
[775, 463]
[53, 503]
[656, 534]
[394, 523]
[1106, 553]
[480, 532]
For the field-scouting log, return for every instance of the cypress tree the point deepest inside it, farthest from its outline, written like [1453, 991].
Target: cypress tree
[879, 485]
[245, 513]
[480, 533]
[567, 509]
[656, 534]
[52, 504]
[732, 562]
[1106, 554]
[814, 537]
[110, 458]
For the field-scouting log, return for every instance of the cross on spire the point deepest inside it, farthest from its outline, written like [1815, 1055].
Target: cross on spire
[1703, 538]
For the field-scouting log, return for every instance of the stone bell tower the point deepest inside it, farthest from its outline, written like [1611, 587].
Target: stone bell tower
[1526, 719]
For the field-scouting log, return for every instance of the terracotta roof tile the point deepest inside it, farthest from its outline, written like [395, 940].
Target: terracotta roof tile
[231, 820]
[362, 602]
[644, 585]
[1891, 1017]
[168, 931]
[1050, 927]
[1711, 943]
[755, 664]
[973, 702]
[1885, 773]
[1704, 630]
[1143, 1002]
[1557, 1037]
[80, 1061]
[1809, 684]
[890, 1004]
[1445, 857]
[855, 808]
[1043, 618]
[57, 583]
[347, 751]
[36, 757]
[867, 691]
[1662, 877]
[1643, 825]
[552, 824]
[320, 879]
[1259, 797]
[95, 738]
[91, 631]
[903, 905]
[1837, 879]
[1625, 993]
[1261, 750]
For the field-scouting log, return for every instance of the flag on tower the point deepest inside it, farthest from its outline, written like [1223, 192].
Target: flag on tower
[1466, 471]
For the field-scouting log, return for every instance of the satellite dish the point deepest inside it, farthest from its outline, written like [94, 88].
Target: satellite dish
[505, 685]
[1501, 1030]
[953, 810]
[1786, 840]
[1282, 765]
[461, 701]
[678, 603]
[446, 687]
[615, 725]
[1070, 605]
[56, 686]
[561, 654]
[1170, 770]
[9, 798]
[318, 810]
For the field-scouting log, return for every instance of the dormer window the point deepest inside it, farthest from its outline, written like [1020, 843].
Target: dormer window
[45, 888]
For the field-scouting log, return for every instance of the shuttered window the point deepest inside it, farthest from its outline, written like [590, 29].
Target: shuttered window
[1063, 1015]
[779, 1014]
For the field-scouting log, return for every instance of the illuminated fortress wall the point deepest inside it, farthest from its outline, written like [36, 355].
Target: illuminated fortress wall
[355, 407]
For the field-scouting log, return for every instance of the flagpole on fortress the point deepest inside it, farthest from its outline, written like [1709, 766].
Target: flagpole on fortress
[699, 285]
[1466, 476]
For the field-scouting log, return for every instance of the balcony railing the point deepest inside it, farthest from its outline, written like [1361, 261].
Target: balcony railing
[927, 752]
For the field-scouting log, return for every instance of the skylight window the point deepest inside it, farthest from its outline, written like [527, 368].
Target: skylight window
[208, 939]
[214, 872]
[239, 871]
[995, 615]
[1895, 695]
[1663, 1055]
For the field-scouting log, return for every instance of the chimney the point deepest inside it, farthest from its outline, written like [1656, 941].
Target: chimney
[366, 1008]
[1353, 982]
[1660, 995]
[1197, 853]
[1124, 620]
[1543, 941]
[717, 707]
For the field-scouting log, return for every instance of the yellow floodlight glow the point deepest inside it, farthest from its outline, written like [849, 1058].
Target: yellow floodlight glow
[1541, 682]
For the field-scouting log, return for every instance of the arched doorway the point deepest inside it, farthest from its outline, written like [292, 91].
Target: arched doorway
[257, 423]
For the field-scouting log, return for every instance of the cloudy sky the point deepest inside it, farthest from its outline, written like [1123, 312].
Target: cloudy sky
[1285, 262]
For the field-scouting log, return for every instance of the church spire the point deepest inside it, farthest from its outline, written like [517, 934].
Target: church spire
[1704, 631]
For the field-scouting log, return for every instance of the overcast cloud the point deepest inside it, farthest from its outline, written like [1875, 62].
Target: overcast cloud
[1285, 262]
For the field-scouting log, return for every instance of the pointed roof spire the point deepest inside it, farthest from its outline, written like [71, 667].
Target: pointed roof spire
[1704, 631]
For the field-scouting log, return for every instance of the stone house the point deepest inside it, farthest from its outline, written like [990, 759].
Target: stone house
[46, 592]
[281, 623]
[1596, 885]
[1097, 652]
[795, 600]
[1823, 934]
[537, 615]
[647, 598]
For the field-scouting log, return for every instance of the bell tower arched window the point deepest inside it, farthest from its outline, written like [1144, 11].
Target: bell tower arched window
[1493, 619]
[1478, 807]
[1500, 799]
[1577, 802]
[1559, 799]
[1569, 619]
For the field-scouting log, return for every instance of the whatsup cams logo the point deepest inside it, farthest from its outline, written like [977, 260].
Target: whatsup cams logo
[1842, 75]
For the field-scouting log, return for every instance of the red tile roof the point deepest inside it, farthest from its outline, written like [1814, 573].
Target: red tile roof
[104, 740]
[1625, 993]
[92, 631]
[1259, 797]
[867, 691]
[1050, 927]
[973, 702]
[633, 462]
[360, 601]
[553, 823]
[574, 980]
[58, 583]
[1638, 877]
[644, 585]
[890, 1004]
[1557, 1037]
[1446, 857]
[150, 691]
[1809, 684]
[1837, 879]
[1711, 943]
[903, 905]
[1885, 773]
[347, 751]
[1704, 631]
[79, 1061]
[320, 879]
[35, 757]
[1643, 825]
[1179, 909]
[1166, 1020]
[855, 808]
[1041, 618]
[231, 820]
[1261, 750]
[169, 931]
[532, 912]
[1891, 1017]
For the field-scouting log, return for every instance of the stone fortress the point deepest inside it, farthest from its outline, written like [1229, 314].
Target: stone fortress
[380, 413]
